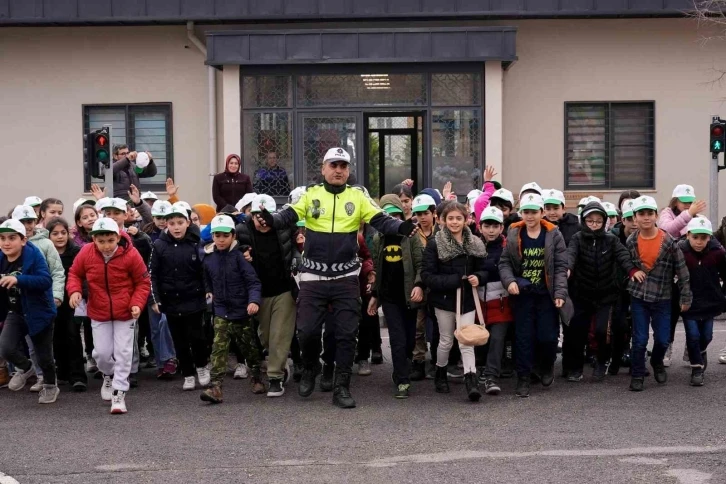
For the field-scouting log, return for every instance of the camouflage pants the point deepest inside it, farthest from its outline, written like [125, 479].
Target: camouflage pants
[243, 334]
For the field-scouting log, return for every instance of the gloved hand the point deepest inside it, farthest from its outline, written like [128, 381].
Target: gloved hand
[408, 228]
[266, 217]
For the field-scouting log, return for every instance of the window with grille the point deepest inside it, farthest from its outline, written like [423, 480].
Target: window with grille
[143, 127]
[610, 145]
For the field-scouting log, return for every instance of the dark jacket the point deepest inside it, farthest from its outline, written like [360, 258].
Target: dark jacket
[707, 269]
[232, 281]
[412, 255]
[619, 231]
[496, 310]
[245, 237]
[67, 258]
[597, 261]
[124, 175]
[556, 263]
[36, 291]
[569, 225]
[177, 277]
[143, 243]
[446, 263]
[228, 187]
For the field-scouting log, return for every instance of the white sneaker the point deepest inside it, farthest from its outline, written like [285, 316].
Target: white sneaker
[240, 373]
[203, 376]
[667, 357]
[189, 383]
[48, 394]
[37, 386]
[20, 378]
[364, 368]
[107, 388]
[118, 402]
[722, 356]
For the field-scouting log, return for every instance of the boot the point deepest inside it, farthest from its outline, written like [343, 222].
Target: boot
[522, 390]
[418, 370]
[307, 381]
[697, 377]
[441, 381]
[212, 394]
[341, 391]
[659, 373]
[598, 374]
[326, 381]
[637, 384]
[472, 386]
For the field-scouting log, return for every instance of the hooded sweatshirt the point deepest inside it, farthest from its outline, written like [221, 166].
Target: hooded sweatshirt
[228, 187]
[41, 241]
[569, 225]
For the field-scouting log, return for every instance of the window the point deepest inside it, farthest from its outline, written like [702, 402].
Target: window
[143, 127]
[610, 145]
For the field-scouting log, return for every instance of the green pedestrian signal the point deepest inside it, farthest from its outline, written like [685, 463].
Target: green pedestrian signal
[717, 146]
[718, 137]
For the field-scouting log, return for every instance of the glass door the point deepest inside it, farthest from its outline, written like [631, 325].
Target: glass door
[319, 133]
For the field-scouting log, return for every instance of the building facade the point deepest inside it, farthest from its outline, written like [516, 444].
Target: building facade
[588, 97]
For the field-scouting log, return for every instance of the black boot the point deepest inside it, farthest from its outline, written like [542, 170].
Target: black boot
[659, 373]
[636, 384]
[307, 381]
[522, 390]
[598, 374]
[472, 387]
[418, 370]
[697, 377]
[548, 376]
[441, 381]
[326, 381]
[341, 392]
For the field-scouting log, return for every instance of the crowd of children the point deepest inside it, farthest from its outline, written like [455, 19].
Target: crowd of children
[142, 282]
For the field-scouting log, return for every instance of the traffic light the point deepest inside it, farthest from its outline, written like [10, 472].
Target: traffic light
[718, 137]
[98, 151]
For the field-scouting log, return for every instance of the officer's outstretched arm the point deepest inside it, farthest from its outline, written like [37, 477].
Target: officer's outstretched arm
[283, 219]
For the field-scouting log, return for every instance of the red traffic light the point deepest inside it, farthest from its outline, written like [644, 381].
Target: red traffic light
[101, 140]
[717, 131]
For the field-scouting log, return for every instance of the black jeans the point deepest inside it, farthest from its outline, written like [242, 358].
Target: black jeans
[536, 330]
[11, 346]
[87, 335]
[369, 333]
[490, 355]
[328, 355]
[401, 321]
[609, 334]
[187, 331]
[315, 297]
[67, 346]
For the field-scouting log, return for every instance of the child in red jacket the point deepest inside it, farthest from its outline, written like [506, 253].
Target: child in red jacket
[118, 287]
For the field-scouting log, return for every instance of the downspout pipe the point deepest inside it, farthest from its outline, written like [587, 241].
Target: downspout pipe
[212, 103]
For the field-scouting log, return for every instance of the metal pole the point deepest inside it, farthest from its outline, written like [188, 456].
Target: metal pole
[713, 183]
[108, 172]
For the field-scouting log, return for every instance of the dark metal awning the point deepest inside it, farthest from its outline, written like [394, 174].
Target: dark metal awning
[361, 46]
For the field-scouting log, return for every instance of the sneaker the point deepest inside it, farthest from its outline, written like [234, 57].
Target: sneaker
[4, 376]
[637, 384]
[258, 387]
[491, 387]
[598, 374]
[668, 355]
[574, 376]
[697, 377]
[118, 402]
[276, 388]
[522, 390]
[20, 378]
[79, 386]
[189, 383]
[660, 375]
[38, 385]
[241, 372]
[480, 374]
[722, 356]
[376, 356]
[48, 394]
[453, 371]
[91, 366]
[203, 376]
[402, 391]
[212, 394]
[297, 371]
[168, 370]
[364, 368]
[107, 388]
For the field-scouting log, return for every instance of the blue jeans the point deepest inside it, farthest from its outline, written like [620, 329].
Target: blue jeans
[161, 338]
[699, 334]
[536, 330]
[657, 315]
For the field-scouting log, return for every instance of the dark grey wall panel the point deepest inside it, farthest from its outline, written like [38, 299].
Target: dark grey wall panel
[69, 12]
[361, 46]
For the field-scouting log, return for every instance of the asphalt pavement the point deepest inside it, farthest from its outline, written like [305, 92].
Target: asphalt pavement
[569, 433]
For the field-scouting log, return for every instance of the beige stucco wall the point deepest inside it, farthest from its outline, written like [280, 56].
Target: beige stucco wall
[46, 76]
[612, 60]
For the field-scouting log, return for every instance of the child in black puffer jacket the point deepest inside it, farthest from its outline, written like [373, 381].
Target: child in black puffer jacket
[595, 258]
